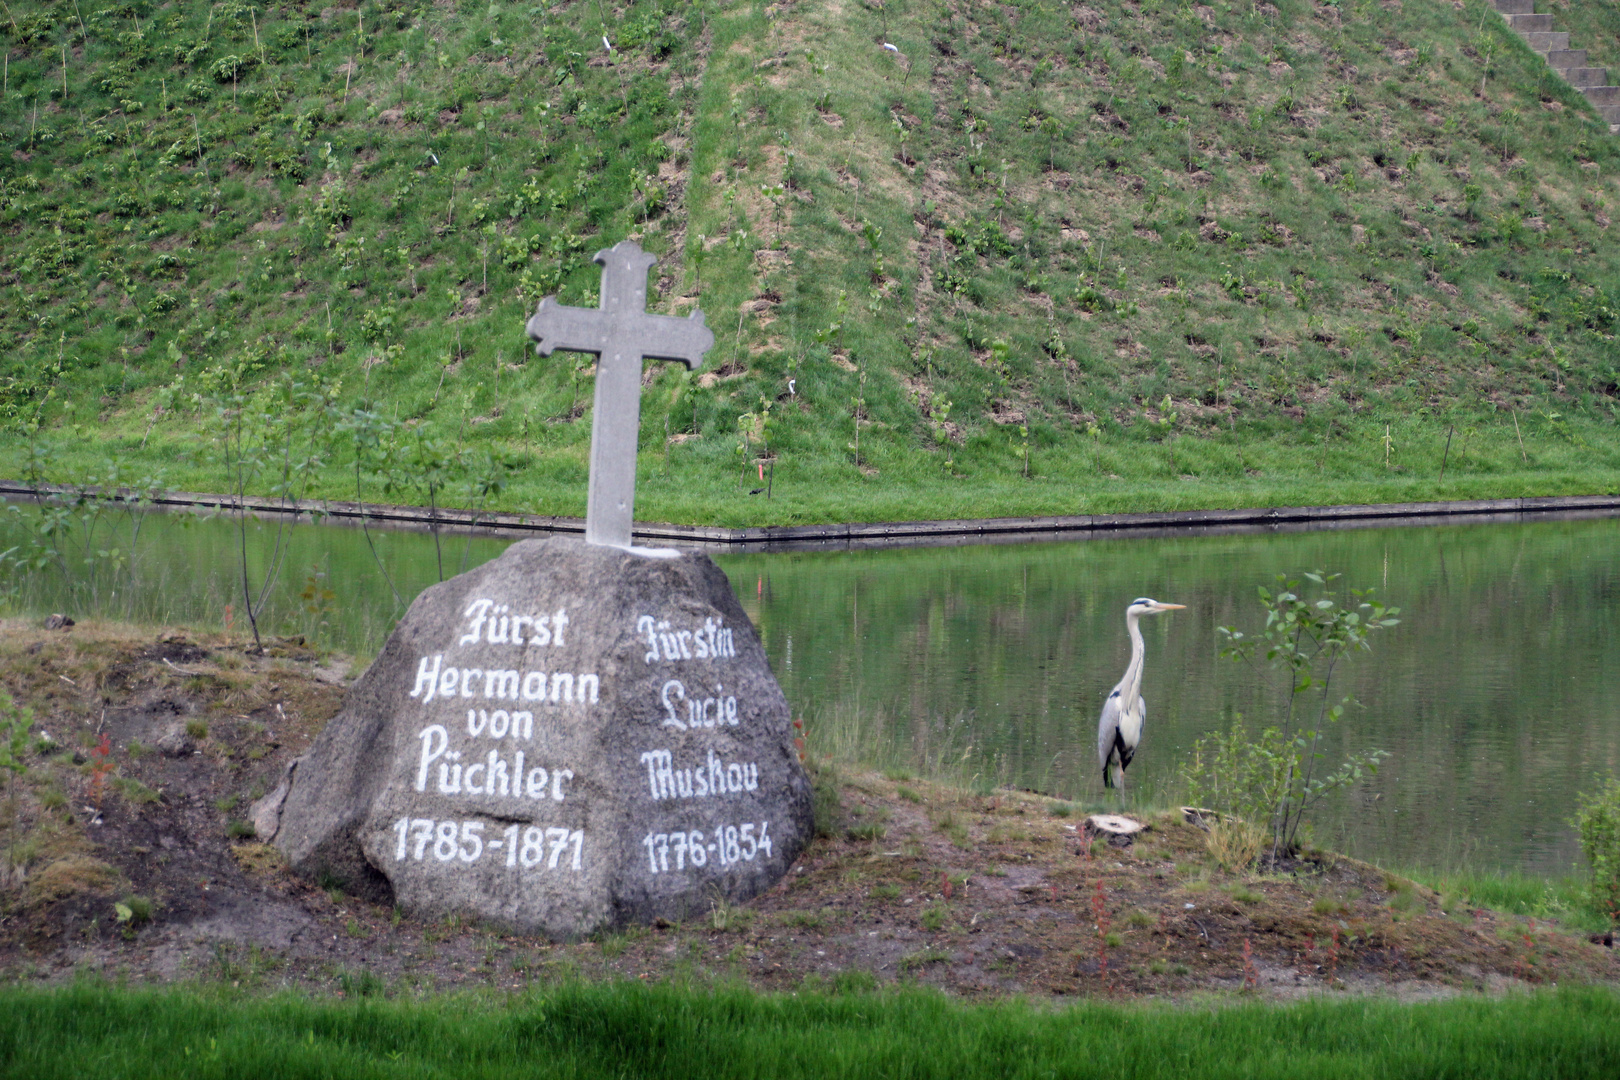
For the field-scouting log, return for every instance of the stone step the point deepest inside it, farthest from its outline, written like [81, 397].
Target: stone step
[1548, 42]
[1581, 78]
[1610, 113]
[1516, 7]
[1526, 24]
[1602, 95]
[1560, 59]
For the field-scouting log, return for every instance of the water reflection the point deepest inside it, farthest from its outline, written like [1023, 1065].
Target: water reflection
[1495, 697]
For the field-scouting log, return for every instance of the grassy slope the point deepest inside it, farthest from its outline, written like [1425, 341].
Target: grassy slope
[628, 1029]
[1160, 255]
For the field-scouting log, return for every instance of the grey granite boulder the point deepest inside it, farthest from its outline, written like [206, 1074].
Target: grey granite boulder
[567, 738]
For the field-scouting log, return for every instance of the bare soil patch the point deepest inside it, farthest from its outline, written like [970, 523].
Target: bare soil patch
[980, 895]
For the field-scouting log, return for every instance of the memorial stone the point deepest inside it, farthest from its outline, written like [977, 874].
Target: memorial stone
[574, 736]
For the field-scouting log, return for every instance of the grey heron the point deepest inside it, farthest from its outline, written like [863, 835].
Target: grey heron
[1119, 730]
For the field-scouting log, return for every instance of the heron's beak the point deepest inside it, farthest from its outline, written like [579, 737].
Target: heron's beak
[1172, 607]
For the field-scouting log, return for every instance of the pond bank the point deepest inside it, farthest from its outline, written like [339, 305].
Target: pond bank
[910, 882]
[882, 534]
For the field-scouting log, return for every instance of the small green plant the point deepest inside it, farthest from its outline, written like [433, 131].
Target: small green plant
[135, 791]
[1598, 819]
[1330, 905]
[1278, 777]
[14, 723]
[133, 912]
[805, 919]
[948, 823]
[363, 983]
[934, 917]
[886, 892]
[613, 945]
[727, 917]
[197, 729]
[273, 436]
[854, 981]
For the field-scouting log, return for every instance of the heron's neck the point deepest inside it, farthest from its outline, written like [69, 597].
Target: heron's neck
[1132, 683]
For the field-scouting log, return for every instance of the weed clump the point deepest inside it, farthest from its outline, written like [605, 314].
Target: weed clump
[826, 802]
[1598, 819]
[134, 911]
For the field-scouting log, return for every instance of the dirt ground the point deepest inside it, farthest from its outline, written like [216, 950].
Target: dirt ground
[123, 850]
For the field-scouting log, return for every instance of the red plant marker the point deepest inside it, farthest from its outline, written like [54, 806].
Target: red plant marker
[100, 765]
[1528, 963]
[1099, 912]
[945, 884]
[1251, 974]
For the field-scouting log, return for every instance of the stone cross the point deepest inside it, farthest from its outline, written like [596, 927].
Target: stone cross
[621, 334]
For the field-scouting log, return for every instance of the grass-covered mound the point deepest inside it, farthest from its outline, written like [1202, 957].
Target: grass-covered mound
[1114, 255]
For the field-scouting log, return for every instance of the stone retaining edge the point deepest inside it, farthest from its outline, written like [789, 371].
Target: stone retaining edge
[877, 534]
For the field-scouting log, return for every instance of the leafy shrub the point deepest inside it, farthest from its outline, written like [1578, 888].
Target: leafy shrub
[1237, 773]
[1598, 819]
[1274, 777]
[31, 27]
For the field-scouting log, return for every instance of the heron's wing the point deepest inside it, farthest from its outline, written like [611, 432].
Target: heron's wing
[1127, 750]
[1107, 729]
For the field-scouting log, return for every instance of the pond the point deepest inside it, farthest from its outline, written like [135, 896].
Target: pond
[1497, 697]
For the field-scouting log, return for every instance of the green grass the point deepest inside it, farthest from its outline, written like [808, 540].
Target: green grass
[1564, 899]
[626, 1030]
[1042, 260]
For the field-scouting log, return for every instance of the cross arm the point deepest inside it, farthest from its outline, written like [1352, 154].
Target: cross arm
[683, 341]
[556, 326]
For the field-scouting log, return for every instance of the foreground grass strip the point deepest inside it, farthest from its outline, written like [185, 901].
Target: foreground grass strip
[633, 1030]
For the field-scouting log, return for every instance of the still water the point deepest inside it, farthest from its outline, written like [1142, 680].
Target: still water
[1497, 697]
